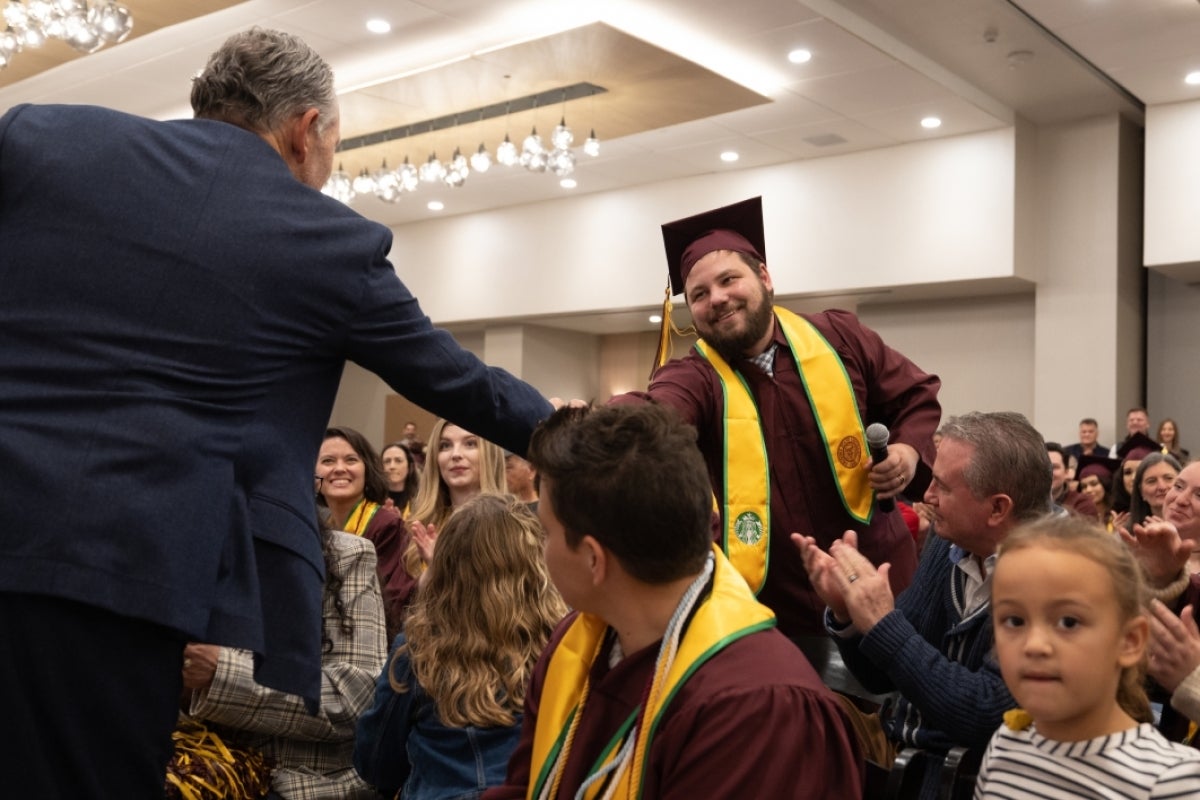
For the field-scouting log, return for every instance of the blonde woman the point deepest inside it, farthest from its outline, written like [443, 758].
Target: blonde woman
[447, 711]
[458, 466]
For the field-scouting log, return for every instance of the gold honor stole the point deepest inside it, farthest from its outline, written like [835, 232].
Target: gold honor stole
[728, 614]
[747, 491]
[360, 517]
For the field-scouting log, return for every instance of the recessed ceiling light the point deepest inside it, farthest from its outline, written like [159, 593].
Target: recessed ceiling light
[656, 318]
[568, 183]
[800, 56]
[435, 205]
[729, 156]
[1192, 78]
[379, 26]
[931, 122]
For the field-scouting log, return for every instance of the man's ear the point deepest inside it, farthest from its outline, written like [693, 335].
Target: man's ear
[297, 135]
[1000, 507]
[597, 558]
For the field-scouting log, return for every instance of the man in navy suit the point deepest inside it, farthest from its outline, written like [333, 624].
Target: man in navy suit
[177, 301]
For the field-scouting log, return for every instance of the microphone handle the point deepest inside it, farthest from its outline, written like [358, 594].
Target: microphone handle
[884, 504]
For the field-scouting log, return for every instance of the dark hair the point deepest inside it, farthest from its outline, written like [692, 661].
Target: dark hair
[1055, 447]
[1139, 508]
[411, 482]
[333, 586]
[1089, 421]
[632, 478]
[375, 486]
[1010, 458]
[259, 79]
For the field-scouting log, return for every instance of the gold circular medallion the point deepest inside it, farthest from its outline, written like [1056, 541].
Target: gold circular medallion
[849, 452]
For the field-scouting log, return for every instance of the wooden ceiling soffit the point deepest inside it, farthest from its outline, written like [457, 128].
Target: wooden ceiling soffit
[644, 88]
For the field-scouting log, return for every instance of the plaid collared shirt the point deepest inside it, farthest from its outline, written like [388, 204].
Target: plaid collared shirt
[312, 754]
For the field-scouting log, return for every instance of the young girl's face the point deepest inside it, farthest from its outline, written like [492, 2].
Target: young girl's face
[458, 458]
[1061, 641]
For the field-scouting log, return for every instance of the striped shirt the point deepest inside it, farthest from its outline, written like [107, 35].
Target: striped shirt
[1134, 764]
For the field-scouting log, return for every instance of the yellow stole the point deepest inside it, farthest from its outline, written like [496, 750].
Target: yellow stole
[360, 517]
[745, 504]
[726, 615]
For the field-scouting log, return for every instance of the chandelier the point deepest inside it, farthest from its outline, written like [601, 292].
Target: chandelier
[86, 26]
[532, 154]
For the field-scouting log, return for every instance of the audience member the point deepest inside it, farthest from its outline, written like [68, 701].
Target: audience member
[413, 441]
[403, 476]
[805, 386]
[1135, 448]
[1088, 444]
[933, 643]
[311, 754]
[1095, 476]
[1071, 638]
[353, 487]
[187, 371]
[447, 710]
[1154, 478]
[462, 466]
[1137, 423]
[1168, 437]
[521, 479]
[1061, 493]
[669, 680]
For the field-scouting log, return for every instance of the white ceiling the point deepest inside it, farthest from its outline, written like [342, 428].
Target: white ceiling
[878, 67]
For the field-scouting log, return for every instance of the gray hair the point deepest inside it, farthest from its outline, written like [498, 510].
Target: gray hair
[259, 79]
[1010, 458]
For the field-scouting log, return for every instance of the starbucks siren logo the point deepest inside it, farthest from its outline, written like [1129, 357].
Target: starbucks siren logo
[748, 528]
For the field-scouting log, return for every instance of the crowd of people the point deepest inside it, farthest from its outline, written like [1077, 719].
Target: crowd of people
[642, 599]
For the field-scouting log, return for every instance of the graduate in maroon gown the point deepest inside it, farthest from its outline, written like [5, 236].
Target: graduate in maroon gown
[669, 680]
[786, 398]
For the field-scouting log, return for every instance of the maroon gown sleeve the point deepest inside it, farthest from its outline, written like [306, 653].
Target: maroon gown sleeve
[389, 534]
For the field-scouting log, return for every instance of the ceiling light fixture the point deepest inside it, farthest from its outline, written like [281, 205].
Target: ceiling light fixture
[435, 205]
[536, 154]
[929, 123]
[656, 319]
[86, 26]
[1192, 78]
[729, 156]
[800, 56]
[568, 183]
[380, 26]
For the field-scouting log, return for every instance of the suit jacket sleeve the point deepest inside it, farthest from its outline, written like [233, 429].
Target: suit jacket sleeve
[390, 335]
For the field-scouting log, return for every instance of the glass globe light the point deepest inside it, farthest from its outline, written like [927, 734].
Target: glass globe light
[363, 183]
[506, 153]
[562, 162]
[457, 171]
[16, 17]
[339, 186]
[562, 136]
[532, 145]
[432, 170]
[387, 185]
[481, 161]
[113, 22]
[592, 145]
[407, 176]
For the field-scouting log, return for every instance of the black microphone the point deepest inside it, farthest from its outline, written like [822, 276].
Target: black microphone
[877, 440]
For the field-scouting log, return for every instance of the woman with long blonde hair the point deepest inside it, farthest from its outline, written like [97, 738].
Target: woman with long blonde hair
[450, 698]
[458, 466]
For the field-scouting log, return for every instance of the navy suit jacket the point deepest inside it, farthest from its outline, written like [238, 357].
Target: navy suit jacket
[175, 312]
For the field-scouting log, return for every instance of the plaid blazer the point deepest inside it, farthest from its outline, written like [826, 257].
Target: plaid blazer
[312, 753]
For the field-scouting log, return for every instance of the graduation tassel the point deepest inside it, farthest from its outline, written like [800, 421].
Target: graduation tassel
[663, 354]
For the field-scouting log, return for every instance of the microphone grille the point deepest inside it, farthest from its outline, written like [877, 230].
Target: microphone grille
[877, 435]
